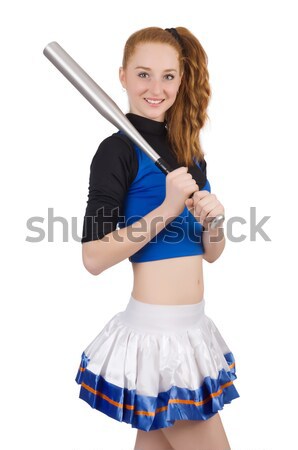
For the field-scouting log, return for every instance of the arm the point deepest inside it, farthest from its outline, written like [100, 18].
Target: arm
[99, 255]
[204, 206]
[214, 243]
[113, 169]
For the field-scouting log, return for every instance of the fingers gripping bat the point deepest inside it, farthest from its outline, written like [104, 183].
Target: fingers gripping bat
[105, 106]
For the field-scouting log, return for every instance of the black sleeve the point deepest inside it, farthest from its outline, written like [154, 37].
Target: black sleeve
[112, 170]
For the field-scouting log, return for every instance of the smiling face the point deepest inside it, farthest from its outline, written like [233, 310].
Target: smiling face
[151, 79]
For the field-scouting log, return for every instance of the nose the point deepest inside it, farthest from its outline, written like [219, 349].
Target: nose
[156, 87]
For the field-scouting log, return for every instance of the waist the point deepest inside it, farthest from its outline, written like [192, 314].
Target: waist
[170, 281]
[160, 318]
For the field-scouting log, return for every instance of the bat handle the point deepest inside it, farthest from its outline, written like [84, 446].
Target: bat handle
[165, 168]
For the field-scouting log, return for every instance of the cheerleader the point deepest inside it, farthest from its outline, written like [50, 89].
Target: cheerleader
[160, 365]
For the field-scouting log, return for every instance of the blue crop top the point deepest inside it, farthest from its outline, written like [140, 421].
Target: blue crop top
[181, 237]
[126, 185]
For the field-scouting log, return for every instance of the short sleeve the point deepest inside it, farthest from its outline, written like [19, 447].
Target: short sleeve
[112, 170]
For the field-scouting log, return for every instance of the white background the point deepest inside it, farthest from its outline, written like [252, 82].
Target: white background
[51, 307]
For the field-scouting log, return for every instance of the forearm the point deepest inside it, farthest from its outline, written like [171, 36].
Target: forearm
[214, 243]
[122, 243]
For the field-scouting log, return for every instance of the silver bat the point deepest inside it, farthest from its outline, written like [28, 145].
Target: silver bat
[105, 106]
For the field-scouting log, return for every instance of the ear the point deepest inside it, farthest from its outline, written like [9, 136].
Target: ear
[122, 77]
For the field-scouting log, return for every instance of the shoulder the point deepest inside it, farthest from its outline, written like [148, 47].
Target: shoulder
[116, 145]
[116, 155]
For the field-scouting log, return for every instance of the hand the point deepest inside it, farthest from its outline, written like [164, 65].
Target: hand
[179, 186]
[205, 207]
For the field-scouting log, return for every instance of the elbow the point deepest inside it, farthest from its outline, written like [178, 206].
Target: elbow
[212, 254]
[91, 268]
[208, 259]
[211, 258]
[89, 261]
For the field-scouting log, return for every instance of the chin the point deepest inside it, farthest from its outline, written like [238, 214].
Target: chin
[156, 116]
[150, 113]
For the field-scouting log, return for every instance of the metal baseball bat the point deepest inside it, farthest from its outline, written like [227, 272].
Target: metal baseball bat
[105, 105]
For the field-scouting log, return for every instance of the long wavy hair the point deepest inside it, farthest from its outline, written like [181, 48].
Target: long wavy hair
[188, 114]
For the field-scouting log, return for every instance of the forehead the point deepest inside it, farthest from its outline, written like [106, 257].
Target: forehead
[155, 55]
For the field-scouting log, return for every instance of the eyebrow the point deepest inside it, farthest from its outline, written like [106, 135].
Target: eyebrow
[148, 68]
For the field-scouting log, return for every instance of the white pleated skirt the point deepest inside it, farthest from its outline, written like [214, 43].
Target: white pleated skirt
[154, 364]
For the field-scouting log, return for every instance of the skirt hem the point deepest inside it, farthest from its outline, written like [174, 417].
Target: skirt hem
[151, 413]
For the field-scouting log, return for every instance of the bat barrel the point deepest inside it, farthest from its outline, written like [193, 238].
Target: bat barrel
[95, 95]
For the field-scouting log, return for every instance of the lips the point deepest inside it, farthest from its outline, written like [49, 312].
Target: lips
[154, 101]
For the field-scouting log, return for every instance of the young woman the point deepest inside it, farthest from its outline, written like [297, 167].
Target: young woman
[160, 365]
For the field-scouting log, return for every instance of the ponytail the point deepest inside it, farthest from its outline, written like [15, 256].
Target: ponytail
[187, 116]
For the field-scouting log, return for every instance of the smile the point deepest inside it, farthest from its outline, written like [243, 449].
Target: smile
[153, 102]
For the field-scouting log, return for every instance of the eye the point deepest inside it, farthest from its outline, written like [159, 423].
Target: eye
[169, 75]
[142, 74]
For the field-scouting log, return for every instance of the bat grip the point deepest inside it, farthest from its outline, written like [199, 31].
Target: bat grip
[165, 168]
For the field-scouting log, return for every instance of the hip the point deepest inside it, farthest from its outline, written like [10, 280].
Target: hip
[161, 318]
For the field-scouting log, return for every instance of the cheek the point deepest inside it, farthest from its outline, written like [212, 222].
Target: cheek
[137, 88]
[173, 89]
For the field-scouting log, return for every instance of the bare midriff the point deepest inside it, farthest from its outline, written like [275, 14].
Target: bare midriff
[172, 281]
